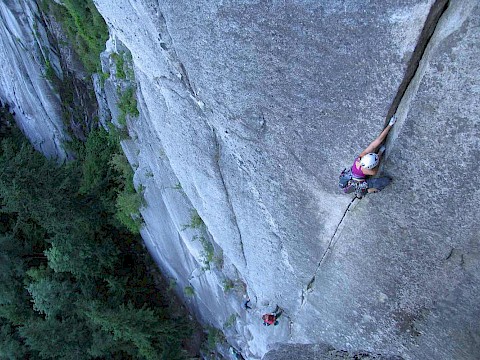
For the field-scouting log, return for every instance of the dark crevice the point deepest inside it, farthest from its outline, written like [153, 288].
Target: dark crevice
[450, 254]
[436, 11]
[186, 80]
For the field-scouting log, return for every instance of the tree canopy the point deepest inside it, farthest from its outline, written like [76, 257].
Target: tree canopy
[74, 282]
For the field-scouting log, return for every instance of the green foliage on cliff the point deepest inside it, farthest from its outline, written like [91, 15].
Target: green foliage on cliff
[50, 74]
[127, 105]
[119, 65]
[123, 65]
[196, 222]
[74, 282]
[84, 26]
[128, 200]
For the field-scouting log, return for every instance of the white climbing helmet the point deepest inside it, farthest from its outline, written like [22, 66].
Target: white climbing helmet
[369, 161]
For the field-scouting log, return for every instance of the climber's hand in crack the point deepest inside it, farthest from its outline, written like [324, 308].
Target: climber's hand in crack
[393, 120]
[369, 158]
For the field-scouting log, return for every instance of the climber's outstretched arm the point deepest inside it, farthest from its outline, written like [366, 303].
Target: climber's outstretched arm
[379, 140]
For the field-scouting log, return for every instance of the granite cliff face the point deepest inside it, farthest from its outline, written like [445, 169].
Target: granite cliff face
[42, 80]
[249, 110]
[24, 52]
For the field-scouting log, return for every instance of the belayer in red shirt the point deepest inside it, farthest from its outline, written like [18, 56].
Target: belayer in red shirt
[272, 318]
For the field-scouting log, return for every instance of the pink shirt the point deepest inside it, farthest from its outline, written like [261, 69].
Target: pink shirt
[357, 172]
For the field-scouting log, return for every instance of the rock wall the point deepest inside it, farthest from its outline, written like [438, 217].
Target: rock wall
[405, 267]
[249, 111]
[25, 50]
[320, 352]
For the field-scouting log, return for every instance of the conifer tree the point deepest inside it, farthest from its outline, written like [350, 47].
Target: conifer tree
[73, 280]
[11, 345]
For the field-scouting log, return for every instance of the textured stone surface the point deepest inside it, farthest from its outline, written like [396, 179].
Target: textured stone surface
[24, 50]
[249, 110]
[256, 107]
[252, 128]
[253, 108]
[320, 352]
[404, 270]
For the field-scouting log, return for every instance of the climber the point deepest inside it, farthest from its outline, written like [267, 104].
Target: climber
[272, 318]
[365, 166]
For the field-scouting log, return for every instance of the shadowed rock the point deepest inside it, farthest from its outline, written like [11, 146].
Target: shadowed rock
[24, 51]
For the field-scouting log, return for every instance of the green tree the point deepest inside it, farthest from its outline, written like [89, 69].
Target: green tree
[82, 255]
[54, 295]
[73, 281]
[35, 189]
[97, 177]
[58, 339]
[14, 304]
[11, 345]
[153, 335]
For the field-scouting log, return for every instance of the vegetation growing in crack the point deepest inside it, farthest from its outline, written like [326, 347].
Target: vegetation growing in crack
[127, 105]
[228, 285]
[237, 285]
[129, 201]
[214, 337]
[119, 65]
[208, 251]
[123, 65]
[127, 102]
[103, 76]
[196, 221]
[218, 259]
[84, 26]
[230, 321]
[179, 188]
[50, 74]
[189, 291]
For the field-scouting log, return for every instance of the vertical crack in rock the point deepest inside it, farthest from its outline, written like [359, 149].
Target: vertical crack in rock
[166, 43]
[227, 193]
[436, 11]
